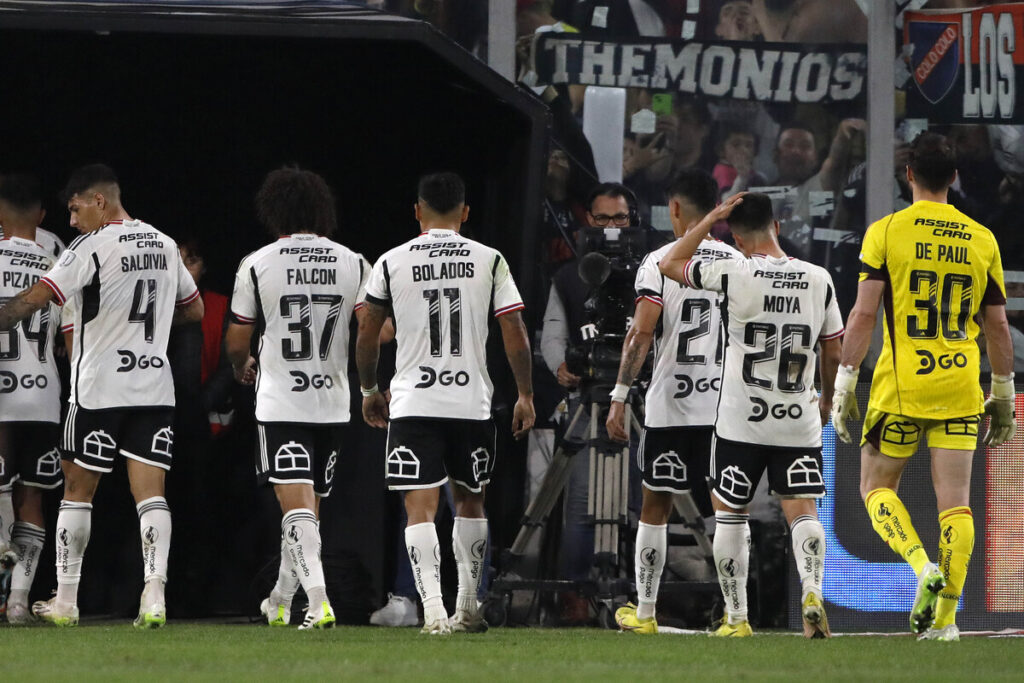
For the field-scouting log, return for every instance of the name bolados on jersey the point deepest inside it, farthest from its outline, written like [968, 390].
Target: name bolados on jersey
[29, 385]
[688, 349]
[940, 267]
[301, 291]
[442, 288]
[776, 310]
[126, 278]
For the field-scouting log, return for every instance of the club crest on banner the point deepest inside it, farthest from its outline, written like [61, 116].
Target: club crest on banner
[935, 61]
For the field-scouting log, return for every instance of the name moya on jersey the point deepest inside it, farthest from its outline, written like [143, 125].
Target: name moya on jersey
[781, 304]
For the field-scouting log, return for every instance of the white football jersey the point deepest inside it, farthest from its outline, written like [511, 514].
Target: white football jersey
[301, 291]
[776, 310]
[688, 348]
[127, 277]
[46, 239]
[443, 289]
[29, 384]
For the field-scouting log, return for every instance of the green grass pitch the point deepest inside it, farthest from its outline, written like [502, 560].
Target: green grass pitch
[194, 652]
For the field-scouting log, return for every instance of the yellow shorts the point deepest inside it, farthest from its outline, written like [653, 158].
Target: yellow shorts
[897, 436]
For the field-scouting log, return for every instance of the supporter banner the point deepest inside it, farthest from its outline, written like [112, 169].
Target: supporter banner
[767, 72]
[965, 66]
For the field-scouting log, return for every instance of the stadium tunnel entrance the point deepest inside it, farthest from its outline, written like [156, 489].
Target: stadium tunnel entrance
[192, 109]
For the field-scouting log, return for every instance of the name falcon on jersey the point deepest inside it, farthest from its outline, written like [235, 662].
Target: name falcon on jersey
[143, 262]
[312, 276]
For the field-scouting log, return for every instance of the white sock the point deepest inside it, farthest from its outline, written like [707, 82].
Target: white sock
[302, 542]
[6, 516]
[74, 524]
[287, 579]
[28, 540]
[809, 552]
[732, 559]
[649, 561]
[425, 556]
[155, 530]
[469, 540]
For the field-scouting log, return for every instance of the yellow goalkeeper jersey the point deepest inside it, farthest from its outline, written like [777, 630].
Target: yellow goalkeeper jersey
[939, 267]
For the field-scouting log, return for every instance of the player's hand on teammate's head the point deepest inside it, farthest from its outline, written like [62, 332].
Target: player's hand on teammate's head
[523, 417]
[616, 422]
[375, 410]
[246, 374]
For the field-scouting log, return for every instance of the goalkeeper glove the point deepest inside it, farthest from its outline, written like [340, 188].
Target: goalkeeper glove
[1000, 407]
[844, 401]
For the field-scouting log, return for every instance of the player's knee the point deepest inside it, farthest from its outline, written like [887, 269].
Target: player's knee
[657, 506]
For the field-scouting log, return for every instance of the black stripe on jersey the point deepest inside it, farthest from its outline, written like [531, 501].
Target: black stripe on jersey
[881, 274]
[90, 309]
[371, 299]
[256, 344]
[828, 296]
[78, 240]
[724, 331]
[494, 269]
[890, 323]
[387, 279]
[698, 282]
[993, 295]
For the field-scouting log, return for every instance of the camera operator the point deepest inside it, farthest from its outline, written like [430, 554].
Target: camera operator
[682, 397]
[609, 205]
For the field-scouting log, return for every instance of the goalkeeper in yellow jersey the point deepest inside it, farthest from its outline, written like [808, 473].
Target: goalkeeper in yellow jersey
[939, 276]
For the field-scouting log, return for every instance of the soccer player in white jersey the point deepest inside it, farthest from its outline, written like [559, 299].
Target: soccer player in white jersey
[680, 409]
[301, 291]
[44, 238]
[130, 285]
[777, 310]
[443, 289]
[29, 394]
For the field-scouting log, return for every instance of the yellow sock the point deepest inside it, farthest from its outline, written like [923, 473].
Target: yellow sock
[892, 522]
[956, 541]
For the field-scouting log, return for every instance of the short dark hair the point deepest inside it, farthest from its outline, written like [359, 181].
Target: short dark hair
[933, 161]
[727, 129]
[21, 191]
[796, 125]
[293, 200]
[752, 214]
[88, 177]
[696, 185]
[443, 192]
[612, 190]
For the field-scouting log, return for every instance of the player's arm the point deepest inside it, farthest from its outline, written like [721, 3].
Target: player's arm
[237, 343]
[192, 312]
[675, 263]
[859, 326]
[517, 349]
[24, 304]
[1001, 402]
[634, 351]
[829, 352]
[371, 319]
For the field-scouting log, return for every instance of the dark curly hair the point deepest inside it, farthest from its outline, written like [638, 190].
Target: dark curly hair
[295, 200]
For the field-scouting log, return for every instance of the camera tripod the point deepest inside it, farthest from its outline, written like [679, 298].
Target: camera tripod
[607, 510]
